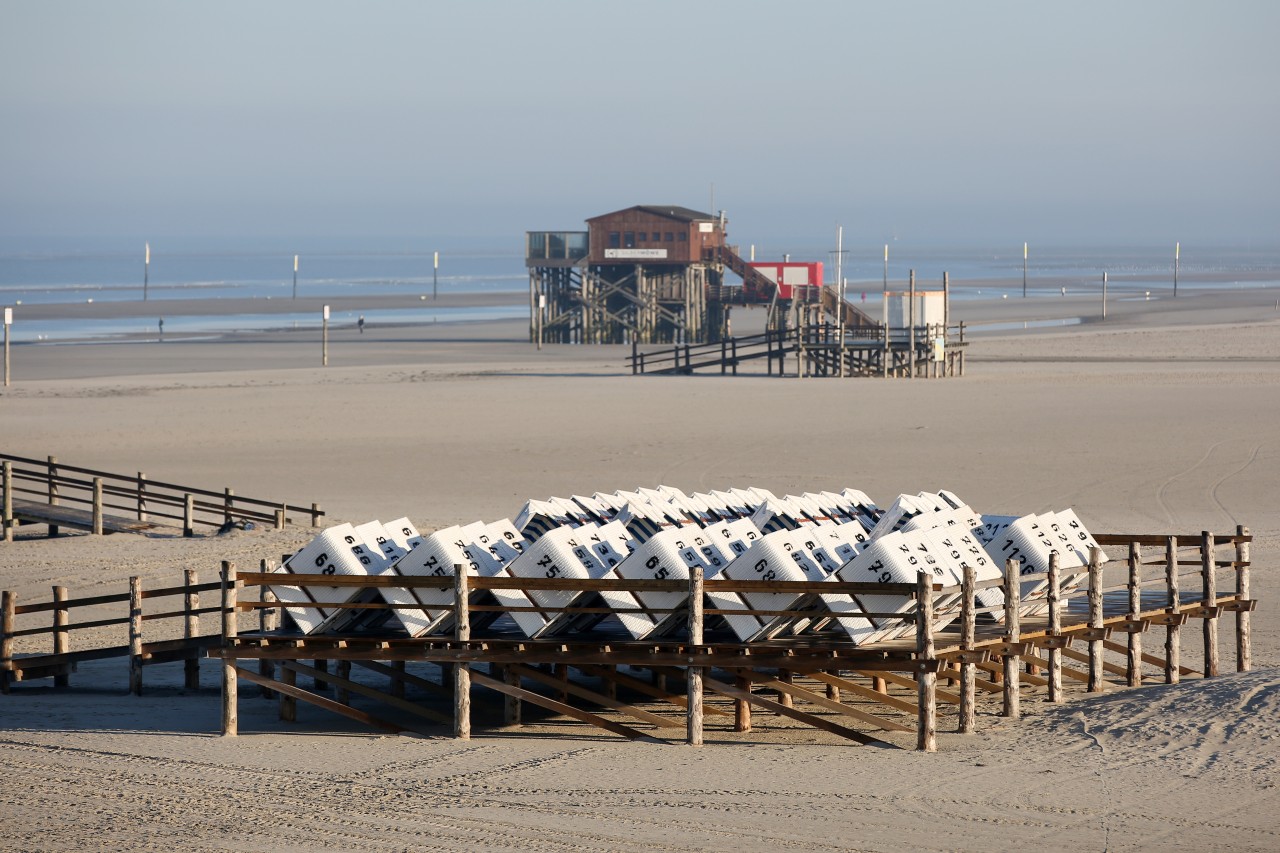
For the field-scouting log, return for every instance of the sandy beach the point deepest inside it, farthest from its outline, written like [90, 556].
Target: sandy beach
[1162, 418]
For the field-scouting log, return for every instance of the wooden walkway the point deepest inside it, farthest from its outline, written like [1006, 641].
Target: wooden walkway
[47, 492]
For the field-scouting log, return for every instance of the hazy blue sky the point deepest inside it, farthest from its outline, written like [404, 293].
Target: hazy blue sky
[935, 122]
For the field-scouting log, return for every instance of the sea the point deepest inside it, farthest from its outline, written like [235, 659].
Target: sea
[66, 270]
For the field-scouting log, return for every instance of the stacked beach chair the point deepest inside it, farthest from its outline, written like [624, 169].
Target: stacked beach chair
[663, 533]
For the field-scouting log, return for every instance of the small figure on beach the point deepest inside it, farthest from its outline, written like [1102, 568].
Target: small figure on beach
[360, 323]
[161, 327]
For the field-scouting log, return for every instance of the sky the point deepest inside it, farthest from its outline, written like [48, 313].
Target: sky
[938, 123]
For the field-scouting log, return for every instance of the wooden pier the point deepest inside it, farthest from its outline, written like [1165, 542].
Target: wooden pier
[960, 657]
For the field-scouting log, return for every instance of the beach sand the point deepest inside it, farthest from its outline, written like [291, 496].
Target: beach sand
[1161, 419]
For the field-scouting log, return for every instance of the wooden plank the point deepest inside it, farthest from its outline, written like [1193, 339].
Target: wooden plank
[66, 516]
[370, 692]
[559, 707]
[1151, 659]
[295, 692]
[581, 692]
[783, 710]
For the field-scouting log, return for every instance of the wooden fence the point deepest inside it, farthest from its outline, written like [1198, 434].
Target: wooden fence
[58, 495]
[126, 611]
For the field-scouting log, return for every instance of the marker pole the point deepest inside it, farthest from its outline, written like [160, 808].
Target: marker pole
[146, 273]
[435, 275]
[295, 276]
[324, 337]
[1024, 270]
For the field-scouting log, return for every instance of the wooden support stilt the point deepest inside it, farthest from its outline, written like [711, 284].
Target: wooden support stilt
[1209, 579]
[396, 679]
[1244, 651]
[742, 707]
[188, 515]
[1013, 633]
[967, 722]
[926, 660]
[322, 667]
[135, 635]
[1096, 684]
[694, 711]
[784, 698]
[61, 636]
[1055, 626]
[511, 707]
[1133, 657]
[288, 704]
[230, 697]
[342, 675]
[1173, 640]
[461, 671]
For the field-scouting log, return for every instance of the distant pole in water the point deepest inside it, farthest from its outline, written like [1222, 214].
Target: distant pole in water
[295, 276]
[886, 267]
[1104, 296]
[435, 275]
[146, 273]
[324, 337]
[1177, 250]
[1024, 270]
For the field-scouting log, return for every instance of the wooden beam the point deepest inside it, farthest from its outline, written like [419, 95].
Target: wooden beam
[558, 707]
[600, 699]
[783, 710]
[295, 692]
[372, 693]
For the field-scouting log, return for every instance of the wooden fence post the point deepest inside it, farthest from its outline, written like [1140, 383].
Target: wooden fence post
[1133, 669]
[228, 498]
[1243, 646]
[61, 636]
[694, 722]
[1055, 627]
[6, 486]
[268, 621]
[968, 626]
[315, 515]
[1013, 635]
[279, 519]
[1095, 621]
[741, 707]
[288, 704]
[8, 608]
[97, 506]
[1173, 639]
[52, 481]
[461, 670]
[511, 705]
[188, 515]
[135, 635]
[142, 496]
[1209, 577]
[926, 664]
[191, 629]
[230, 697]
